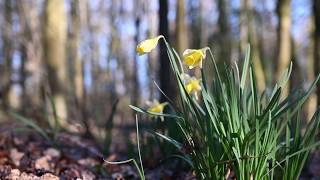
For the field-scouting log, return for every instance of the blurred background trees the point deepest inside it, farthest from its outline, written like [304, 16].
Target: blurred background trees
[81, 54]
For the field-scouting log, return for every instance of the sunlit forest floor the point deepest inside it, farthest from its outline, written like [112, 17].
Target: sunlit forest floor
[26, 155]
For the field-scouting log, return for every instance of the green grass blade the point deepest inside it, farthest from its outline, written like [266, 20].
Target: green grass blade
[32, 124]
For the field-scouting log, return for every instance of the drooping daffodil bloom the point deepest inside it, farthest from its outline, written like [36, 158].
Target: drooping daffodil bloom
[155, 106]
[148, 45]
[194, 57]
[191, 84]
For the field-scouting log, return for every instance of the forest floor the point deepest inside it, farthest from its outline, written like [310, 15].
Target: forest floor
[26, 155]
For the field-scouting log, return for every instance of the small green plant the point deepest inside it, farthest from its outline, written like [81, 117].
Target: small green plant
[138, 166]
[231, 128]
[30, 123]
[108, 128]
[54, 129]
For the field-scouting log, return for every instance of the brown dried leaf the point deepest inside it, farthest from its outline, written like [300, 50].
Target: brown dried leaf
[16, 156]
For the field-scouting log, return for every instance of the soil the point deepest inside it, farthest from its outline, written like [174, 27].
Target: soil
[27, 155]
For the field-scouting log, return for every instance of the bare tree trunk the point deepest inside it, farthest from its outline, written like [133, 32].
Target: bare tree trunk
[198, 32]
[152, 57]
[316, 13]
[284, 38]
[6, 70]
[77, 76]
[23, 34]
[23, 74]
[32, 51]
[55, 26]
[311, 104]
[202, 25]
[224, 33]
[181, 31]
[243, 27]
[250, 33]
[113, 46]
[296, 77]
[136, 87]
[165, 72]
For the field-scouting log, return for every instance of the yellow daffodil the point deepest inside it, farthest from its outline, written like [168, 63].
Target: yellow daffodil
[194, 57]
[192, 84]
[148, 45]
[155, 106]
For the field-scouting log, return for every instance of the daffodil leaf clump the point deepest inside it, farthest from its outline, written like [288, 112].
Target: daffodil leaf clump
[229, 127]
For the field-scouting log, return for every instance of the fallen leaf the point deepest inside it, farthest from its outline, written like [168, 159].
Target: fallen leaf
[16, 156]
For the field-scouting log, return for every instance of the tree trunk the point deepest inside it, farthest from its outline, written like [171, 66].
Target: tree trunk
[284, 39]
[32, 52]
[224, 31]
[243, 27]
[251, 34]
[181, 31]
[55, 32]
[23, 74]
[77, 76]
[152, 57]
[316, 12]
[296, 77]
[6, 69]
[136, 87]
[77, 73]
[166, 75]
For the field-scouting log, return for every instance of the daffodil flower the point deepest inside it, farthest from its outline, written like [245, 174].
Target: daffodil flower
[155, 106]
[194, 57]
[148, 45]
[191, 84]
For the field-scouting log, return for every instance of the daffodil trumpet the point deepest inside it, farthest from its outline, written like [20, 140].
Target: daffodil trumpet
[148, 45]
[194, 57]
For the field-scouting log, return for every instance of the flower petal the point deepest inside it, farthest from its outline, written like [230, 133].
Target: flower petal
[157, 107]
[148, 45]
[193, 86]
